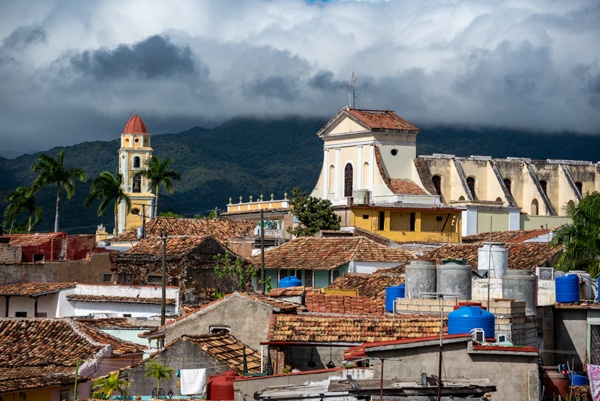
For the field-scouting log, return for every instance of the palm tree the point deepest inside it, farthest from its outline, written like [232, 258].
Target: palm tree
[23, 200]
[581, 238]
[158, 371]
[106, 386]
[53, 171]
[158, 173]
[107, 188]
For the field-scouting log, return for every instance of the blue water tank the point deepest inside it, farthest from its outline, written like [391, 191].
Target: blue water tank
[290, 281]
[391, 293]
[567, 288]
[467, 317]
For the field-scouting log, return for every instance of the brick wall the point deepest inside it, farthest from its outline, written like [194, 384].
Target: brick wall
[343, 304]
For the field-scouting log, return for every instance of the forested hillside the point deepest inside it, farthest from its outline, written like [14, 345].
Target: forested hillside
[249, 156]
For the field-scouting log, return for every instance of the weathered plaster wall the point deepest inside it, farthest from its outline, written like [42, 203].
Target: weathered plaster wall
[247, 320]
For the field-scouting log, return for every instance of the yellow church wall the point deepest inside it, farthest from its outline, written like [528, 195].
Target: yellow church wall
[346, 125]
[398, 165]
[478, 170]
[514, 172]
[587, 176]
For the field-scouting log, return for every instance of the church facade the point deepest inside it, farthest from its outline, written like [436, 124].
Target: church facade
[375, 181]
[134, 153]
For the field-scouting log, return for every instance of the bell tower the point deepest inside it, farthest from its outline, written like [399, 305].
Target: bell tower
[134, 153]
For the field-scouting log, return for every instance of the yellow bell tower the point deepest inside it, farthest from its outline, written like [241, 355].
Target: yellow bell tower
[133, 155]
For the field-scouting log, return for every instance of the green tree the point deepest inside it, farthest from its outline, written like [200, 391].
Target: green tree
[581, 238]
[105, 387]
[240, 271]
[22, 200]
[158, 173]
[314, 214]
[107, 188]
[158, 371]
[53, 171]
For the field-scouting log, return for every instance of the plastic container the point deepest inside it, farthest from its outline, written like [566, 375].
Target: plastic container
[391, 293]
[466, 318]
[290, 281]
[578, 380]
[567, 288]
[221, 387]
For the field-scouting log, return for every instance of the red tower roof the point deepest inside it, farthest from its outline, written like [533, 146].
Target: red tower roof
[135, 125]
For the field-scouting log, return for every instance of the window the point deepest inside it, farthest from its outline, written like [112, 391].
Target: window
[20, 314]
[544, 186]
[413, 219]
[38, 257]
[137, 184]
[570, 204]
[534, 207]
[331, 188]
[334, 275]
[308, 278]
[154, 279]
[136, 162]
[127, 278]
[365, 217]
[126, 314]
[579, 186]
[219, 329]
[381, 221]
[42, 314]
[106, 277]
[394, 152]
[437, 183]
[507, 184]
[348, 176]
[471, 185]
[499, 200]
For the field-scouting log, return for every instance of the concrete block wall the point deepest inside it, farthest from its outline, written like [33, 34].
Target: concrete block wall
[510, 318]
[10, 254]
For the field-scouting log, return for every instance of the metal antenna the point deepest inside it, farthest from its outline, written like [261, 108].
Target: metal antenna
[353, 89]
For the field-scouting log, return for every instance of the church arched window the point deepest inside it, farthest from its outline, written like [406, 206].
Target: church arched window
[348, 177]
[137, 184]
[437, 184]
[507, 184]
[136, 162]
[534, 207]
[471, 185]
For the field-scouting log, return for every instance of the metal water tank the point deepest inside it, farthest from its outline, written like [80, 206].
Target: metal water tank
[493, 257]
[454, 280]
[520, 285]
[585, 284]
[468, 317]
[290, 281]
[567, 288]
[420, 277]
[391, 293]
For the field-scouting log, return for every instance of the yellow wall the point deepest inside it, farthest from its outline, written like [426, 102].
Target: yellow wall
[396, 224]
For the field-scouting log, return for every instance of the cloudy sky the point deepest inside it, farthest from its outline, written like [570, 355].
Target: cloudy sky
[74, 71]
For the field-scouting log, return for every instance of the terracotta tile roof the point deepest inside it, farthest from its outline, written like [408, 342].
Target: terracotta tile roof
[372, 286]
[521, 256]
[505, 236]
[41, 352]
[175, 246]
[343, 329]
[118, 346]
[112, 323]
[398, 187]
[33, 289]
[122, 300]
[226, 349]
[312, 253]
[34, 239]
[221, 229]
[378, 120]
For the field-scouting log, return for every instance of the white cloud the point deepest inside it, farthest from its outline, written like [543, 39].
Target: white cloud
[532, 65]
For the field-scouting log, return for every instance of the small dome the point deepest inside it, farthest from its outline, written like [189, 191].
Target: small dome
[135, 125]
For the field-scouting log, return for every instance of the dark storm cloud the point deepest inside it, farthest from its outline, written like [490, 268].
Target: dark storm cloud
[325, 81]
[24, 35]
[272, 87]
[154, 57]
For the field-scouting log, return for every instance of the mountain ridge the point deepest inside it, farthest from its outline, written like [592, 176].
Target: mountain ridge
[253, 156]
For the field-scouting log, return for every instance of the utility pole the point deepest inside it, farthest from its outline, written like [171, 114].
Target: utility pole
[262, 251]
[163, 237]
